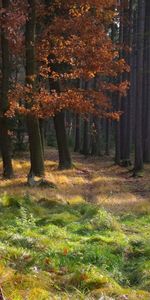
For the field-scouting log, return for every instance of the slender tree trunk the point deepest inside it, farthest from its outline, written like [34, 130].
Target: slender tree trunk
[96, 137]
[41, 125]
[126, 101]
[85, 146]
[138, 165]
[118, 138]
[77, 134]
[64, 153]
[36, 151]
[5, 139]
[146, 88]
[107, 134]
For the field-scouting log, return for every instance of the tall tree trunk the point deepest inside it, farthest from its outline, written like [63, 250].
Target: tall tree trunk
[41, 125]
[138, 165]
[107, 135]
[96, 137]
[146, 88]
[5, 139]
[85, 146]
[118, 139]
[63, 149]
[77, 134]
[36, 151]
[126, 101]
[35, 145]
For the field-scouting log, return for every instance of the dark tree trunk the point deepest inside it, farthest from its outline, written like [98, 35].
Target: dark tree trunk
[146, 88]
[35, 145]
[77, 134]
[36, 151]
[107, 134]
[69, 123]
[131, 95]
[41, 125]
[138, 165]
[64, 153]
[117, 141]
[126, 101]
[85, 146]
[96, 137]
[118, 138]
[5, 139]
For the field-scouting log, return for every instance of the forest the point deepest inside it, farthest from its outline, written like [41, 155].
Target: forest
[75, 150]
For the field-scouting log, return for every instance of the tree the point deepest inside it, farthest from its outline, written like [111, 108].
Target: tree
[138, 164]
[72, 43]
[5, 137]
[77, 134]
[64, 153]
[35, 142]
[126, 101]
[146, 87]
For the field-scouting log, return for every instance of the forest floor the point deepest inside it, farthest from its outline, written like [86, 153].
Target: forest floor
[87, 238]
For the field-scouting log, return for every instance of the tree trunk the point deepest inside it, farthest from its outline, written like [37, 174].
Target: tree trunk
[107, 133]
[96, 137]
[126, 101]
[5, 139]
[85, 147]
[36, 151]
[63, 149]
[41, 125]
[35, 145]
[146, 87]
[138, 165]
[77, 134]
[117, 139]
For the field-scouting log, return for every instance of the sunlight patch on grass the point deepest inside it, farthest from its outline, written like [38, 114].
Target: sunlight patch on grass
[71, 250]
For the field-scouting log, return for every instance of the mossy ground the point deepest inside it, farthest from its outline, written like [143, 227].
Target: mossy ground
[88, 238]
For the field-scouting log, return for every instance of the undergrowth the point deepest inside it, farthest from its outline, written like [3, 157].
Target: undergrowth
[50, 250]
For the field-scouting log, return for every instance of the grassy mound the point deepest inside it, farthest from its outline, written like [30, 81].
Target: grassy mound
[51, 250]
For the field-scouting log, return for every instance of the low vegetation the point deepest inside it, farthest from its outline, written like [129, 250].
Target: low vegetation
[75, 249]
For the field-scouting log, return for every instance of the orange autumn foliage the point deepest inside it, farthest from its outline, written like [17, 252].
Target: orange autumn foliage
[72, 43]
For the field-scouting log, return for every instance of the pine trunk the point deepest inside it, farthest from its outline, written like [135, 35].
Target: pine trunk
[138, 165]
[146, 87]
[77, 134]
[85, 147]
[5, 139]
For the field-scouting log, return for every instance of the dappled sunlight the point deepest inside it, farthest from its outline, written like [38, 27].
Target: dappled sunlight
[104, 178]
[92, 180]
[50, 249]
[94, 216]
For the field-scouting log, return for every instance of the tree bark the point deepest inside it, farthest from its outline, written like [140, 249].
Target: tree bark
[117, 139]
[5, 139]
[118, 149]
[63, 149]
[85, 146]
[107, 134]
[77, 134]
[96, 137]
[146, 88]
[36, 151]
[138, 164]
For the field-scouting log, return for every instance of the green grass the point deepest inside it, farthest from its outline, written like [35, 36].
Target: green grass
[50, 250]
